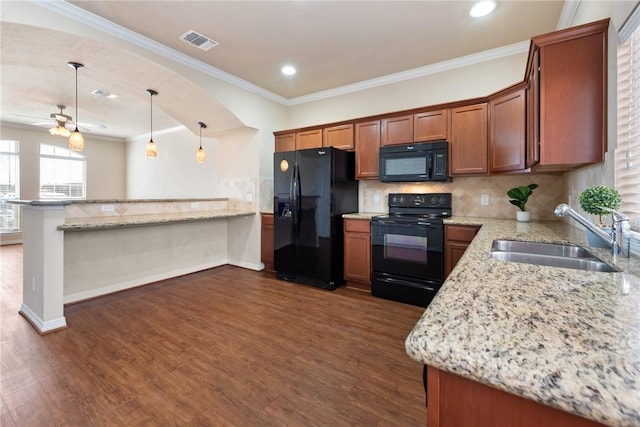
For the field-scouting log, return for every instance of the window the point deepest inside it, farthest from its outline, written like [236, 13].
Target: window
[62, 173]
[9, 186]
[628, 150]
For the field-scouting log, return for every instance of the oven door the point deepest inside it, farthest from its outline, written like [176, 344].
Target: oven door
[413, 249]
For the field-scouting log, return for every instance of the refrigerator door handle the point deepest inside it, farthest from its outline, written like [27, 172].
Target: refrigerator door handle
[295, 199]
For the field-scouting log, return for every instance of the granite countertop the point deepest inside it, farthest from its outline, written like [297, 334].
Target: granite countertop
[106, 222]
[566, 338]
[361, 215]
[65, 202]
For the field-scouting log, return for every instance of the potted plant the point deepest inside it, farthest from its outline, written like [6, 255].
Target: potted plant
[519, 197]
[592, 200]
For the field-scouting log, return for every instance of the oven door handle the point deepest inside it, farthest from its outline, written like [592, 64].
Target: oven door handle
[400, 224]
[406, 282]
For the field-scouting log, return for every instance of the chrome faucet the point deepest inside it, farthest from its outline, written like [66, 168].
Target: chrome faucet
[619, 238]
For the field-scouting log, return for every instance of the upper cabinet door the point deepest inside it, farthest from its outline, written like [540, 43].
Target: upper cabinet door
[286, 142]
[572, 95]
[397, 130]
[469, 141]
[339, 137]
[309, 139]
[431, 126]
[508, 130]
[367, 149]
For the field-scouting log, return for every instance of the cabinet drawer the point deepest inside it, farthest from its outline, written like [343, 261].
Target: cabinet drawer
[357, 225]
[461, 233]
[267, 219]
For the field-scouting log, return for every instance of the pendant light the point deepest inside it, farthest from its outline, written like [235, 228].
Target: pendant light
[152, 151]
[201, 155]
[76, 140]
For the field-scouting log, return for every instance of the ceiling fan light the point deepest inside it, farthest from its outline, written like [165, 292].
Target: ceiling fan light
[76, 141]
[60, 130]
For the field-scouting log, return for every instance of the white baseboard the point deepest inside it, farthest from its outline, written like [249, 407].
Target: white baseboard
[80, 296]
[41, 325]
[248, 265]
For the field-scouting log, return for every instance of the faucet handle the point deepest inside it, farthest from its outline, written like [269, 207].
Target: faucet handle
[617, 216]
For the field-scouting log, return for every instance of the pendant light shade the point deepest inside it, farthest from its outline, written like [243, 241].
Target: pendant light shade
[152, 150]
[76, 140]
[201, 155]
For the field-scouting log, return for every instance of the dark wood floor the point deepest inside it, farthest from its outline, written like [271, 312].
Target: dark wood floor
[225, 346]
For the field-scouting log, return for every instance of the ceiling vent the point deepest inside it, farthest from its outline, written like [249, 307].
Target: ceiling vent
[198, 40]
[105, 94]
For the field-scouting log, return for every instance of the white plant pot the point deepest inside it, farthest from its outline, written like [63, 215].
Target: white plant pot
[523, 216]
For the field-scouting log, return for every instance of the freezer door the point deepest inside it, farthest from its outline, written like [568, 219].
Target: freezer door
[315, 231]
[284, 214]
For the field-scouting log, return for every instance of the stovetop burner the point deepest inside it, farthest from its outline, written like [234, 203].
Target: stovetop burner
[419, 206]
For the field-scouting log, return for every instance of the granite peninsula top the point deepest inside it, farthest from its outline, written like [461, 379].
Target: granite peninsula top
[566, 338]
[66, 202]
[107, 222]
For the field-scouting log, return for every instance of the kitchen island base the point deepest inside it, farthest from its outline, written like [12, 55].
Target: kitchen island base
[454, 401]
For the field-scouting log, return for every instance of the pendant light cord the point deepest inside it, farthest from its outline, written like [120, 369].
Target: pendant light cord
[76, 99]
[151, 117]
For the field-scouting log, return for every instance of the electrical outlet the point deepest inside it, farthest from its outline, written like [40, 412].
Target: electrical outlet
[195, 204]
[376, 199]
[249, 197]
[107, 208]
[33, 284]
[484, 200]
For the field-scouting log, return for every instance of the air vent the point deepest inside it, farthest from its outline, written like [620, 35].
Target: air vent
[198, 40]
[105, 93]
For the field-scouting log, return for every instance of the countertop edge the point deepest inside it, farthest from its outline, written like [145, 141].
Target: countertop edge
[138, 222]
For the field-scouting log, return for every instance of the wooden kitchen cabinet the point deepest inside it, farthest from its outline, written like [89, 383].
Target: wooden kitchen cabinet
[533, 112]
[507, 130]
[571, 91]
[357, 253]
[455, 401]
[285, 142]
[457, 239]
[339, 137]
[266, 242]
[367, 141]
[431, 126]
[309, 139]
[397, 130]
[468, 145]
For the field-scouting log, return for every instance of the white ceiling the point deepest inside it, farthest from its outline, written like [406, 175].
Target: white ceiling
[333, 44]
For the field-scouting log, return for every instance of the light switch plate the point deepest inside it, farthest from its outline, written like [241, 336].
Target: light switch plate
[484, 200]
[107, 208]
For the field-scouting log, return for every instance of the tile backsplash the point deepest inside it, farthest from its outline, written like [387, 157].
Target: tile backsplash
[467, 192]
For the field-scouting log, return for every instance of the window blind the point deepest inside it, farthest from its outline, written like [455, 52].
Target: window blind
[627, 154]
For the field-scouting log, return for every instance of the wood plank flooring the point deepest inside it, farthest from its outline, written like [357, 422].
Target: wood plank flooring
[222, 347]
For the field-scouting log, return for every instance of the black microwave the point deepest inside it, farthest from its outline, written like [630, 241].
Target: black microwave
[423, 161]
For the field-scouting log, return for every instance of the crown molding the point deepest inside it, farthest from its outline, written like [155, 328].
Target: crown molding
[69, 10]
[568, 13]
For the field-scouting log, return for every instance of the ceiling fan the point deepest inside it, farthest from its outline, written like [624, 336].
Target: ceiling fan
[60, 121]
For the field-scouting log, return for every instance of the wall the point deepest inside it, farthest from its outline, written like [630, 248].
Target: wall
[105, 160]
[468, 82]
[174, 174]
[105, 165]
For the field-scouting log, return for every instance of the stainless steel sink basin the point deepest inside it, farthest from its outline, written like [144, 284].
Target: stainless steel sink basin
[549, 254]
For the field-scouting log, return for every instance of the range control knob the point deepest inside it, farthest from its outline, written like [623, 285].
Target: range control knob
[442, 200]
[434, 200]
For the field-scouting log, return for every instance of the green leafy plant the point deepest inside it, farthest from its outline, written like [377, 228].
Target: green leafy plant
[520, 195]
[594, 198]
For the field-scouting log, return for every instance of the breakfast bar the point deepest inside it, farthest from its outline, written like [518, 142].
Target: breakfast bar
[76, 250]
[567, 339]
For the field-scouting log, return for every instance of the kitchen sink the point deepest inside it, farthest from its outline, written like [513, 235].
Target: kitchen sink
[549, 254]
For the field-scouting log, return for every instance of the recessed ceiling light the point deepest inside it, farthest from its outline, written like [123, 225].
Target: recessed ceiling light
[105, 94]
[482, 8]
[288, 70]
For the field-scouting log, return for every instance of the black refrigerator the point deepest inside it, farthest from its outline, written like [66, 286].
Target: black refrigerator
[312, 189]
